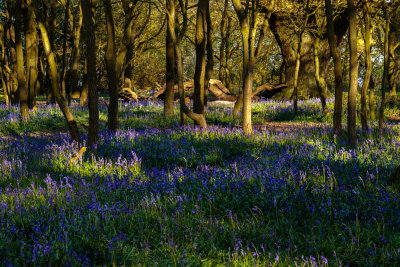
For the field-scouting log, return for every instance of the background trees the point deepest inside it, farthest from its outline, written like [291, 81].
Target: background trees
[247, 45]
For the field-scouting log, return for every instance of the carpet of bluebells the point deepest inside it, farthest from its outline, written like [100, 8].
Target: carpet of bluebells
[156, 193]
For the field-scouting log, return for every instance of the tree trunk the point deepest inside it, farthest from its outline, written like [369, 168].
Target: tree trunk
[62, 103]
[111, 73]
[296, 73]
[210, 53]
[23, 92]
[222, 49]
[352, 97]
[337, 113]
[10, 35]
[200, 68]
[393, 72]
[31, 41]
[368, 65]
[63, 75]
[76, 52]
[321, 84]
[88, 8]
[185, 111]
[169, 76]
[385, 76]
[85, 86]
[371, 100]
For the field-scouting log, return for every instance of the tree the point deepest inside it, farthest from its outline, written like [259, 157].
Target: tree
[202, 41]
[385, 76]
[88, 8]
[61, 101]
[169, 75]
[368, 26]
[31, 43]
[176, 36]
[111, 72]
[248, 19]
[352, 96]
[23, 92]
[337, 115]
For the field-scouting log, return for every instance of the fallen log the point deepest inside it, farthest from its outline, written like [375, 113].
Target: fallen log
[217, 91]
[266, 90]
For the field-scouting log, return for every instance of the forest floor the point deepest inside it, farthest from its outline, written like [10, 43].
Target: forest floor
[156, 193]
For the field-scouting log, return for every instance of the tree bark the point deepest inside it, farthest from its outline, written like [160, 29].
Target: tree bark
[185, 111]
[337, 113]
[10, 35]
[62, 103]
[371, 100]
[385, 76]
[210, 53]
[111, 72]
[63, 75]
[169, 76]
[88, 8]
[321, 84]
[76, 52]
[31, 41]
[368, 65]
[23, 92]
[352, 96]
[222, 49]
[200, 68]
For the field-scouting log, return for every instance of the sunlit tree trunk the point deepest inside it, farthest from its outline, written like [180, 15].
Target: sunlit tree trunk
[249, 20]
[337, 113]
[352, 99]
[169, 76]
[62, 102]
[111, 73]
[10, 35]
[321, 84]
[88, 8]
[368, 65]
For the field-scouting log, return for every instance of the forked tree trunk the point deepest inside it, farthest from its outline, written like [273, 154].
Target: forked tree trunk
[89, 8]
[62, 102]
[111, 72]
[185, 111]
